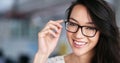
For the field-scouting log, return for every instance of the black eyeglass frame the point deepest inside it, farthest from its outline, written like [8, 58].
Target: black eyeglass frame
[81, 29]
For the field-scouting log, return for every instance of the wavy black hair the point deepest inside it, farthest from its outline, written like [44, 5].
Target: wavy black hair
[108, 48]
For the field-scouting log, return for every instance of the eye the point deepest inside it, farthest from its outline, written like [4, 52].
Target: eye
[72, 24]
[90, 28]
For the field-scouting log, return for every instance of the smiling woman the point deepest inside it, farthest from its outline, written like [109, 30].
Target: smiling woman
[91, 31]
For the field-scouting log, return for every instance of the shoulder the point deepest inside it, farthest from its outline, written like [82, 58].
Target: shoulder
[57, 59]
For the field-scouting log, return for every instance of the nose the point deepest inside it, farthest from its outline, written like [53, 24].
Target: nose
[79, 34]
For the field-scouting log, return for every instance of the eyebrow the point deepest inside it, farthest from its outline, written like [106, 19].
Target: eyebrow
[77, 21]
[73, 19]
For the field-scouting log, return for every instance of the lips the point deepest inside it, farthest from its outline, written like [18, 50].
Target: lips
[79, 44]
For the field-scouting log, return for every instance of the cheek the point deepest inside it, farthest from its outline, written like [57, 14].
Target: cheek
[95, 39]
[69, 35]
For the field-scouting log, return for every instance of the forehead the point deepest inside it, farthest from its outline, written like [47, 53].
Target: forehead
[80, 13]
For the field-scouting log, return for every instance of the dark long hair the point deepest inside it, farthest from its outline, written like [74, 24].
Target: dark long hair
[108, 48]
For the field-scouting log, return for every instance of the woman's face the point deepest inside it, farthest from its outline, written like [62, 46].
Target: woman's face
[80, 43]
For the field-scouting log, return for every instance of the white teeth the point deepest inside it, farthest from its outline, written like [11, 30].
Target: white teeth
[79, 43]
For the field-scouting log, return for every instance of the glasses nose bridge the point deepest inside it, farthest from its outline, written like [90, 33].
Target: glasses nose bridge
[79, 27]
[79, 32]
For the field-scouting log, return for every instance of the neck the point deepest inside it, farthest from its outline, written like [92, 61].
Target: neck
[86, 58]
[81, 59]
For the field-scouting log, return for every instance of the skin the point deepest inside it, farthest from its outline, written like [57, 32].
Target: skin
[49, 35]
[47, 40]
[81, 54]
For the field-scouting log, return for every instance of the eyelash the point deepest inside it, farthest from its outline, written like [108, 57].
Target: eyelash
[72, 23]
[91, 28]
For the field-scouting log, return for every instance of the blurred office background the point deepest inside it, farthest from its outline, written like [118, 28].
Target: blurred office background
[21, 20]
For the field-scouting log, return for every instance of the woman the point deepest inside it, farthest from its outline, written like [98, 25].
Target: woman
[91, 31]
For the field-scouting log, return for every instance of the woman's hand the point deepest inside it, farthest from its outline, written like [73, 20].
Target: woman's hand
[47, 40]
[48, 37]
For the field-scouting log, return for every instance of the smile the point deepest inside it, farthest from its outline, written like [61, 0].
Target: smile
[79, 44]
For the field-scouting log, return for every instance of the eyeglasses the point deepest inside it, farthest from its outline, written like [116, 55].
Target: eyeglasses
[87, 31]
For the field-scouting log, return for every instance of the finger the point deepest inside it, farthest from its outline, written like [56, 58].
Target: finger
[51, 27]
[54, 28]
[56, 23]
[48, 32]
[59, 21]
[52, 34]
[59, 31]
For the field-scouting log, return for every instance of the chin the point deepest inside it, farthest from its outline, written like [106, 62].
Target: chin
[78, 53]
